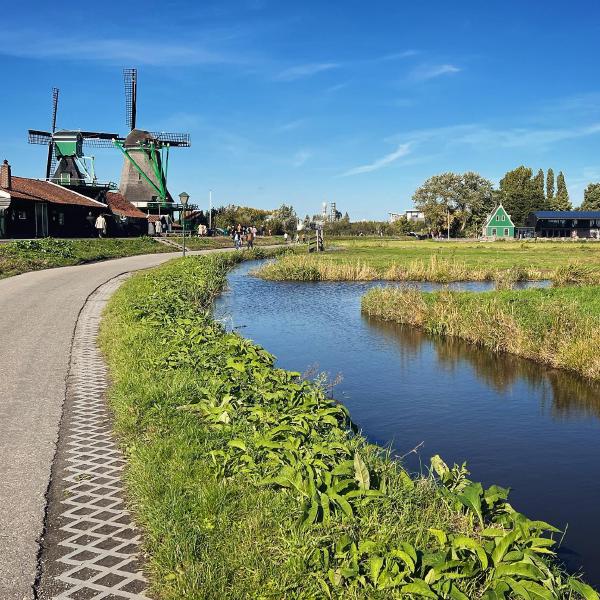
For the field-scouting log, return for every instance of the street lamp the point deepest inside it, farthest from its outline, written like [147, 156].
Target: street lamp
[183, 198]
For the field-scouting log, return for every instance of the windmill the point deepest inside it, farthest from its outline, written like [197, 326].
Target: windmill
[146, 156]
[67, 163]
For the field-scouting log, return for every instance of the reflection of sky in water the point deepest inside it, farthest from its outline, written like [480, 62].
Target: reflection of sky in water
[516, 423]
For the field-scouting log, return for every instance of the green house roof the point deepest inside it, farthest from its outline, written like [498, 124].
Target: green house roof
[494, 220]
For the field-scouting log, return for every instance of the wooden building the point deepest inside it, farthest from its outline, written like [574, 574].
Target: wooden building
[125, 220]
[565, 223]
[31, 208]
[499, 225]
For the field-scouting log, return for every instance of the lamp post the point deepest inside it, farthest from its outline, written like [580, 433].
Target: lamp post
[183, 198]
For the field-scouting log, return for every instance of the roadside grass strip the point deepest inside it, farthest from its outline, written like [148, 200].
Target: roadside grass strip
[249, 482]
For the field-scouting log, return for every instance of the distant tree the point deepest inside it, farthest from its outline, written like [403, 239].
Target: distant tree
[538, 182]
[520, 194]
[283, 219]
[464, 199]
[591, 197]
[346, 217]
[561, 200]
[550, 186]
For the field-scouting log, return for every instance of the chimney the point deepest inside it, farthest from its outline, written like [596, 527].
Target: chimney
[5, 175]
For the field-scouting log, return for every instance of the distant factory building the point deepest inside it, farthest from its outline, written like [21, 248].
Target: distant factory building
[414, 216]
[565, 223]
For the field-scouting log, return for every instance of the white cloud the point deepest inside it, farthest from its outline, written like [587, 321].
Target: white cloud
[307, 70]
[425, 72]
[401, 150]
[290, 125]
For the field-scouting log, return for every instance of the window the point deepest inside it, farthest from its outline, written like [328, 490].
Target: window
[506, 231]
[494, 231]
[22, 215]
[502, 218]
[65, 177]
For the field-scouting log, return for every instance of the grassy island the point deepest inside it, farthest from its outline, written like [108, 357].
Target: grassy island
[249, 482]
[367, 259]
[554, 326]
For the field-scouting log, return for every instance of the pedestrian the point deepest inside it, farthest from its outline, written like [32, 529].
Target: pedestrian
[285, 237]
[158, 227]
[237, 240]
[101, 226]
[150, 228]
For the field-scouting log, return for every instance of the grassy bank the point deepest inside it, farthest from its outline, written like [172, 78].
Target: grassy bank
[553, 326]
[506, 262]
[250, 483]
[33, 255]
[22, 256]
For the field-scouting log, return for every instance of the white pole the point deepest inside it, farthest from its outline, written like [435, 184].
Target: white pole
[210, 209]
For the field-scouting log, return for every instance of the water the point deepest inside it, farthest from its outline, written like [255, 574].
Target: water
[516, 423]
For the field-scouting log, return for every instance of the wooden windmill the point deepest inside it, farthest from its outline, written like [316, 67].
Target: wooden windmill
[146, 157]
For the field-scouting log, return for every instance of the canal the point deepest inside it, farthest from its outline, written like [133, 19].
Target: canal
[515, 423]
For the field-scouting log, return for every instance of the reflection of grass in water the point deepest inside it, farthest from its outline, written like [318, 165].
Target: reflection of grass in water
[570, 394]
[554, 326]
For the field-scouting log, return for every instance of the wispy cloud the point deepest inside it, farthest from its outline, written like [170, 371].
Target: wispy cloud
[301, 157]
[401, 150]
[121, 50]
[290, 125]
[306, 70]
[425, 72]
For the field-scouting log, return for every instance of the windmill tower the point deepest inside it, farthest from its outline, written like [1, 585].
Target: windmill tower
[67, 163]
[146, 157]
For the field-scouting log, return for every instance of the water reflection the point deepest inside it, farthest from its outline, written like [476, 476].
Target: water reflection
[563, 394]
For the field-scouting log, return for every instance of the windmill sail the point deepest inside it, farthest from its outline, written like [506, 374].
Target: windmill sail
[130, 79]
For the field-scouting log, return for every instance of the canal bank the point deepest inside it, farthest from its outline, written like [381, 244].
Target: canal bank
[229, 456]
[515, 422]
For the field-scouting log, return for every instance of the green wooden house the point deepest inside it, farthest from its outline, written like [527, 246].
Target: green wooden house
[499, 224]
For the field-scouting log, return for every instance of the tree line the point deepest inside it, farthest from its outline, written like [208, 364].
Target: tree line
[464, 201]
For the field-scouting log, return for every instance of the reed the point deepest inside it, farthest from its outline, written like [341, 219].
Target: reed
[552, 326]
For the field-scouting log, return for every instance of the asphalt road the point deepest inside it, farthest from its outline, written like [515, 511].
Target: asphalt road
[38, 312]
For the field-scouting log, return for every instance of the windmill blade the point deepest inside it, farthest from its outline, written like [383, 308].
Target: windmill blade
[39, 137]
[55, 92]
[173, 139]
[101, 142]
[130, 79]
[97, 135]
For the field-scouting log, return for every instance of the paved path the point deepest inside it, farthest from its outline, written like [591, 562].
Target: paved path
[38, 313]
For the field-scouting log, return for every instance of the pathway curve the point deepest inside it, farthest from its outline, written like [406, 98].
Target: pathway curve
[38, 314]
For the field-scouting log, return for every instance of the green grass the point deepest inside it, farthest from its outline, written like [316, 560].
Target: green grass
[33, 255]
[248, 482]
[372, 259]
[553, 326]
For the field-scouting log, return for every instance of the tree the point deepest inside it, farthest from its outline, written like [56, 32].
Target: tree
[283, 219]
[561, 201]
[591, 197]
[550, 186]
[538, 182]
[521, 194]
[464, 199]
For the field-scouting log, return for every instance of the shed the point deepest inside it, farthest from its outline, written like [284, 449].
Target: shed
[499, 225]
[127, 220]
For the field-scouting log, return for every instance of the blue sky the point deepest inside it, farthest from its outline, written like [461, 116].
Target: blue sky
[305, 102]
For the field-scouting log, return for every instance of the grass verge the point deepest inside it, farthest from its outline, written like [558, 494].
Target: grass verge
[250, 483]
[553, 326]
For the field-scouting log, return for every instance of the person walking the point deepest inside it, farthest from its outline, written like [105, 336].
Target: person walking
[285, 237]
[101, 226]
[158, 227]
[237, 240]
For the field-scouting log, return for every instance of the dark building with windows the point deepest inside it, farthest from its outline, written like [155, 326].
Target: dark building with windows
[30, 208]
[565, 223]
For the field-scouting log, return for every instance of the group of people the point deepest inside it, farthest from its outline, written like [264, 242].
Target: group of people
[244, 234]
[158, 226]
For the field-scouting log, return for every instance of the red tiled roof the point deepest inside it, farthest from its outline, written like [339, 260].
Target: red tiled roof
[37, 190]
[119, 206]
[153, 218]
